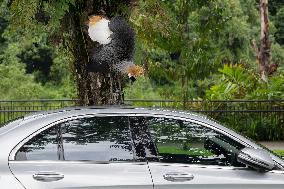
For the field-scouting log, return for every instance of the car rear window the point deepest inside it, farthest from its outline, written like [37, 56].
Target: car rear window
[85, 139]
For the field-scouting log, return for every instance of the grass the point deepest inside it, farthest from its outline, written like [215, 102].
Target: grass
[175, 150]
[279, 152]
[193, 152]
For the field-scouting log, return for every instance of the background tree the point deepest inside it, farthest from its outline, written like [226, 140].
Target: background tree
[265, 46]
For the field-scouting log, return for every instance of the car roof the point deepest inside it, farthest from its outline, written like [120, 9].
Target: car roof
[83, 110]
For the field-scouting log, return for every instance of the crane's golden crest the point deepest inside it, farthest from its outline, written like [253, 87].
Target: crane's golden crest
[135, 70]
[94, 19]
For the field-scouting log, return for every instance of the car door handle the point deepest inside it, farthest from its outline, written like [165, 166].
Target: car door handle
[48, 176]
[178, 176]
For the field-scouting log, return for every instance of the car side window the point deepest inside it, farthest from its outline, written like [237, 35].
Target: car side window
[179, 141]
[84, 139]
[143, 144]
[97, 139]
[41, 147]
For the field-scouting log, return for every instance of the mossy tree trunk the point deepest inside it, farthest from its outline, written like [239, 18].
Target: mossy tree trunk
[264, 50]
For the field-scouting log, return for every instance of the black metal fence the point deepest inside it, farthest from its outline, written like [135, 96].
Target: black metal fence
[259, 119]
[11, 109]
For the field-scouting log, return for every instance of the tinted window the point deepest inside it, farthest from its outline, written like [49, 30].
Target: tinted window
[180, 141]
[42, 147]
[96, 139]
[144, 146]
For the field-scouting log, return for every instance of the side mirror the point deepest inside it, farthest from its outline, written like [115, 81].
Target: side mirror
[256, 158]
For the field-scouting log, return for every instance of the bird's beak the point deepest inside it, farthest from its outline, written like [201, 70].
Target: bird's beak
[131, 77]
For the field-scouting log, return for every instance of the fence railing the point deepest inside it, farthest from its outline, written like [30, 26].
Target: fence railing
[259, 119]
[11, 109]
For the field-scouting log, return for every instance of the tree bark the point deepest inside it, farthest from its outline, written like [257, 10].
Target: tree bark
[94, 88]
[265, 46]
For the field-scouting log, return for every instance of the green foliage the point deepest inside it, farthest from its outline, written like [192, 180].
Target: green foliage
[141, 89]
[274, 89]
[15, 84]
[235, 83]
[280, 25]
[38, 16]
[257, 126]
[38, 60]
[274, 6]
[61, 82]
[277, 54]
[28, 53]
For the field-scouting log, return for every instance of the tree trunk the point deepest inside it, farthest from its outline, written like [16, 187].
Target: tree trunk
[93, 88]
[264, 50]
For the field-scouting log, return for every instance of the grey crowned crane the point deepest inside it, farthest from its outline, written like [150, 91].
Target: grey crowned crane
[116, 50]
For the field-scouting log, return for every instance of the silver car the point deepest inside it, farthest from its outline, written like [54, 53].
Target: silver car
[131, 148]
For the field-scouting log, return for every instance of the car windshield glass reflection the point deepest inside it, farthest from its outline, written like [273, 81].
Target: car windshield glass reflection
[180, 141]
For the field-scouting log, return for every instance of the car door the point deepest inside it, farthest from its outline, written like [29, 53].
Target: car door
[91, 152]
[192, 155]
